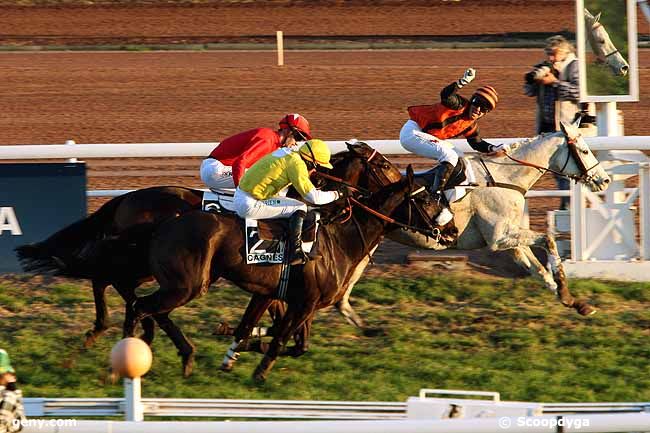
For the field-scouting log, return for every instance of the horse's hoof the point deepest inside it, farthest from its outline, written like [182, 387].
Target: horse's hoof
[90, 339]
[223, 329]
[584, 309]
[259, 377]
[373, 332]
[263, 369]
[188, 365]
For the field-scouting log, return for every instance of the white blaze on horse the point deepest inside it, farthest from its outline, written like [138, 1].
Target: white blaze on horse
[490, 216]
[602, 45]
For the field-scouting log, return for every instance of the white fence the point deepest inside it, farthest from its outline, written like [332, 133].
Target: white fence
[603, 232]
[419, 414]
[154, 150]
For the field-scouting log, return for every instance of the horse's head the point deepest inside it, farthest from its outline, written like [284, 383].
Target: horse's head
[407, 205]
[575, 159]
[602, 45]
[364, 166]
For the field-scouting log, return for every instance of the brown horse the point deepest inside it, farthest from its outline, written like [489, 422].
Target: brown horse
[191, 252]
[83, 249]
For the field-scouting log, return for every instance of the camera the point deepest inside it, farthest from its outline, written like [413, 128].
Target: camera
[539, 71]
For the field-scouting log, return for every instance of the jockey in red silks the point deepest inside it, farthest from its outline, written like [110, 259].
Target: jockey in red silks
[228, 161]
[430, 125]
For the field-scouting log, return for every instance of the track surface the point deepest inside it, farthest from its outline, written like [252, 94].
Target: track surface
[121, 97]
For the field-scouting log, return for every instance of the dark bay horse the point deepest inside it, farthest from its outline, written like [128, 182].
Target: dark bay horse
[85, 249]
[81, 250]
[194, 250]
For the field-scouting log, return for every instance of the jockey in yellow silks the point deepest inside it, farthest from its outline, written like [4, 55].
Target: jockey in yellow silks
[454, 116]
[259, 194]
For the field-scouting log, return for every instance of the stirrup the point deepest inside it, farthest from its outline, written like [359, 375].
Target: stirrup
[298, 257]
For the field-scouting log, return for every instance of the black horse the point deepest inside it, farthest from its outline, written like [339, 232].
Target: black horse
[87, 248]
[84, 248]
[191, 252]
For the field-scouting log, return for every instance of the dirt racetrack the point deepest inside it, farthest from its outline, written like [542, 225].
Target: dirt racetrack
[122, 97]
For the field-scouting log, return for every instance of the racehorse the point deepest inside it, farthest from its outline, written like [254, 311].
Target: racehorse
[490, 215]
[85, 249]
[80, 249]
[602, 45]
[191, 252]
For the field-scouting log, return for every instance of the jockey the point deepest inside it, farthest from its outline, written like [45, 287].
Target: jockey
[258, 194]
[226, 164]
[430, 125]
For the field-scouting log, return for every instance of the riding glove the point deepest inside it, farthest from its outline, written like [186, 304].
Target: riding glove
[467, 77]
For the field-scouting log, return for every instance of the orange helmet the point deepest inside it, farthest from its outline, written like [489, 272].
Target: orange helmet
[488, 94]
[295, 121]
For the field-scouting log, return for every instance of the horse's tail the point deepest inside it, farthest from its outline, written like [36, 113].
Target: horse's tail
[62, 253]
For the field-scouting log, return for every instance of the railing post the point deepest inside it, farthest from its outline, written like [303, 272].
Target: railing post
[133, 409]
[644, 210]
[578, 222]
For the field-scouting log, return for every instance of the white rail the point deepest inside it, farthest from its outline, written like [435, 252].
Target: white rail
[571, 423]
[151, 150]
[292, 409]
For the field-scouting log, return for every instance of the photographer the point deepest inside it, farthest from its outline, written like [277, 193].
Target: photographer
[12, 413]
[555, 84]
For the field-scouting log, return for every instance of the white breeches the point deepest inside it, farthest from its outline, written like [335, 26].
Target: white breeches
[216, 175]
[247, 206]
[414, 140]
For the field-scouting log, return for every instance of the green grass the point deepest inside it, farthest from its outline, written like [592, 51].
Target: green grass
[454, 331]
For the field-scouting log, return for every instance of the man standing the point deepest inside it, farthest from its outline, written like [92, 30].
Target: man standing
[555, 84]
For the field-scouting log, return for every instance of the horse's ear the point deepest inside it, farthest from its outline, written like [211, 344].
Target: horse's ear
[570, 129]
[410, 176]
[597, 17]
[588, 14]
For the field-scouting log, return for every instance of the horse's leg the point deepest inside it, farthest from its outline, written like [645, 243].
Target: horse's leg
[254, 311]
[185, 347]
[276, 310]
[547, 242]
[344, 307]
[291, 322]
[127, 292]
[101, 313]
[162, 301]
[521, 241]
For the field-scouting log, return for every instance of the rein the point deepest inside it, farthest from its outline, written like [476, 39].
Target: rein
[573, 152]
[386, 218]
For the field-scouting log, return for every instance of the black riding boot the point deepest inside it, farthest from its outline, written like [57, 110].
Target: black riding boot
[298, 257]
[441, 175]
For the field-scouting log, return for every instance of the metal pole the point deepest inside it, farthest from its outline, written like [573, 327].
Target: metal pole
[133, 409]
[644, 210]
[280, 41]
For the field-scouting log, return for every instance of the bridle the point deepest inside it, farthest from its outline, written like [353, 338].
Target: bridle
[597, 25]
[371, 170]
[574, 152]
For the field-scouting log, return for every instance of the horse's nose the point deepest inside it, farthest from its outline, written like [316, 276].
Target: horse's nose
[624, 70]
[606, 181]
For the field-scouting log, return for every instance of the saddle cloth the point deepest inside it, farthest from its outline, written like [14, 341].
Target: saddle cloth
[266, 240]
[218, 200]
[460, 183]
